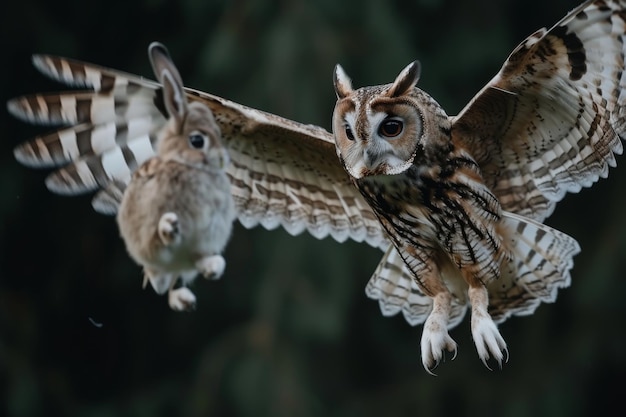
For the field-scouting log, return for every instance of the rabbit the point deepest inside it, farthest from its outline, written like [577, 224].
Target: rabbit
[177, 212]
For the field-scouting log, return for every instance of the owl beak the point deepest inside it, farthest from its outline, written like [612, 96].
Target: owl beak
[371, 158]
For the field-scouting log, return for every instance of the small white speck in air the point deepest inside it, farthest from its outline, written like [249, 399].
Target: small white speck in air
[95, 323]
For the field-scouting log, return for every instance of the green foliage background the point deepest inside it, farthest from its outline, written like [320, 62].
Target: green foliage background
[288, 331]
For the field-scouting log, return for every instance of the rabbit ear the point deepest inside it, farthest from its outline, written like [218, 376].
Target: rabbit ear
[166, 73]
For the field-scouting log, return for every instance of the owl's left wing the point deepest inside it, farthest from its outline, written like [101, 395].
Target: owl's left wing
[550, 122]
[283, 173]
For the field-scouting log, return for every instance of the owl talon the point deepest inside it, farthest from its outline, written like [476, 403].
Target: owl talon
[168, 228]
[181, 299]
[435, 339]
[211, 267]
[489, 343]
[433, 346]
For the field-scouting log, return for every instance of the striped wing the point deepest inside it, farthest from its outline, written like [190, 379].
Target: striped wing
[551, 120]
[283, 173]
[539, 267]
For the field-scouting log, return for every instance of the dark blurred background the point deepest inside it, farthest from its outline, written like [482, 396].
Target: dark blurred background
[288, 331]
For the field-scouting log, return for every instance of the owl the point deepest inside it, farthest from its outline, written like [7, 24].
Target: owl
[176, 214]
[456, 203]
[427, 190]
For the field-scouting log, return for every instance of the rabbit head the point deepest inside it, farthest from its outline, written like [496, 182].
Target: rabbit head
[191, 135]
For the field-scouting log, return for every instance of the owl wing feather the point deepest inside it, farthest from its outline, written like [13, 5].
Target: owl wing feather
[283, 173]
[550, 122]
[396, 290]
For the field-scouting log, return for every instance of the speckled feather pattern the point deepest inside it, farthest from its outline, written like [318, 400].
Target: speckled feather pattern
[283, 173]
[548, 123]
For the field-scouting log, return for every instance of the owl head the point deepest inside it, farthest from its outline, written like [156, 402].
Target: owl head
[380, 130]
[192, 135]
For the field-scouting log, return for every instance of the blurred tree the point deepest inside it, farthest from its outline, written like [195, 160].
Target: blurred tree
[288, 331]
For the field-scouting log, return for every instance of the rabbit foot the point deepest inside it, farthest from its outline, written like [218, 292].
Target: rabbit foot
[181, 299]
[160, 282]
[212, 267]
[168, 228]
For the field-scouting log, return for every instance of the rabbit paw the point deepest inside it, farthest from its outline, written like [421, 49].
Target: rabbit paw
[212, 267]
[181, 299]
[168, 228]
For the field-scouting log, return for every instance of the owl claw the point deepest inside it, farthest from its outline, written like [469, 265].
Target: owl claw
[168, 228]
[435, 340]
[182, 299]
[211, 267]
[434, 354]
[489, 343]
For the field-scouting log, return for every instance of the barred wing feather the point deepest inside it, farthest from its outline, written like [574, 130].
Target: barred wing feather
[283, 173]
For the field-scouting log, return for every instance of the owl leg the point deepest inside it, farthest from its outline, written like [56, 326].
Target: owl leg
[212, 267]
[435, 337]
[168, 228]
[487, 338]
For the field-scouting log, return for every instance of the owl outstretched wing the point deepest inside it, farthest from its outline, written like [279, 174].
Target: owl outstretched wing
[283, 173]
[551, 121]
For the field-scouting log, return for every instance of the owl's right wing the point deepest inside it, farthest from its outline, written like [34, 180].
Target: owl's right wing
[283, 173]
[551, 121]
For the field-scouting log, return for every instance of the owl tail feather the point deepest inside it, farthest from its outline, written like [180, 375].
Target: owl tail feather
[539, 264]
[540, 260]
[392, 284]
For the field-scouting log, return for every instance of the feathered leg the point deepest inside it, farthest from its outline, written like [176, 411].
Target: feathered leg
[435, 337]
[487, 338]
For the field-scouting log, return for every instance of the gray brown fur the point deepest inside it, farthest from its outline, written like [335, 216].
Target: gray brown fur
[176, 213]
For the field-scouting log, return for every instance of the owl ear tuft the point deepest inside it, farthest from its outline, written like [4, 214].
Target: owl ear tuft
[343, 85]
[406, 80]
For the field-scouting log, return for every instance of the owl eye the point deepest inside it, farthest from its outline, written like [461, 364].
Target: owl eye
[197, 140]
[349, 133]
[390, 128]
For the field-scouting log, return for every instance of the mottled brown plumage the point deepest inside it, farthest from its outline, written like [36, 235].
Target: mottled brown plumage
[460, 198]
[432, 201]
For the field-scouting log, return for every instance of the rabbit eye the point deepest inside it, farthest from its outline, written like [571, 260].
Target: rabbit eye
[197, 140]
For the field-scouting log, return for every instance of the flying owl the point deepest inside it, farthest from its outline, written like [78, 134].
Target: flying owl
[455, 202]
[176, 214]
